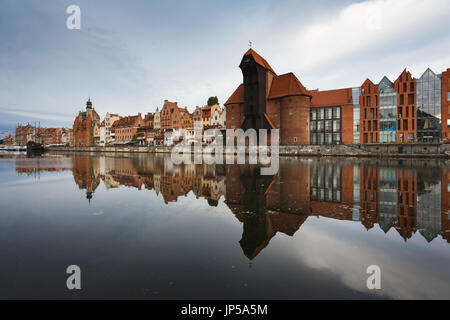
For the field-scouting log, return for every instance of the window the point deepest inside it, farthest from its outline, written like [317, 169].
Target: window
[448, 123]
[411, 86]
[404, 87]
[402, 99]
[336, 113]
[321, 114]
[448, 96]
[336, 125]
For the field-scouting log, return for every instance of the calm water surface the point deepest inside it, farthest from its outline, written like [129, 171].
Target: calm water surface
[142, 228]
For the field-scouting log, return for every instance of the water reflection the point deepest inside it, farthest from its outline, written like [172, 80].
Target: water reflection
[409, 196]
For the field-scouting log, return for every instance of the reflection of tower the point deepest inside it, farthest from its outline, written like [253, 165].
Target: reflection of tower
[247, 196]
[406, 223]
[370, 181]
[86, 173]
[446, 205]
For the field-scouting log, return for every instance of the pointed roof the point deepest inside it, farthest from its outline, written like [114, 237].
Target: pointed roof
[400, 77]
[287, 85]
[427, 72]
[259, 60]
[237, 96]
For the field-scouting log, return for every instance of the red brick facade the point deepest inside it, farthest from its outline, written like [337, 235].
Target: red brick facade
[83, 126]
[369, 112]
[24, 134]
[405, 86]
[126, 128]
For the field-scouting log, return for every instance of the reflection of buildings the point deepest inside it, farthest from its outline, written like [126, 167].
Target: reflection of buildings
[405, 198]
[86, 173]
[445, 227]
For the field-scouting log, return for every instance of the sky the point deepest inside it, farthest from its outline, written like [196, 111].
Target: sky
[131, 56]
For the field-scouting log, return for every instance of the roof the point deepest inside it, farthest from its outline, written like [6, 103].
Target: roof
[259, 60]
[337, 97]
[286, 85]
[237, 96]
[129, 121]
[148, 116]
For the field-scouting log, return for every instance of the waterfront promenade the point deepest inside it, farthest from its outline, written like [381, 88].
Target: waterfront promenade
[423, 150]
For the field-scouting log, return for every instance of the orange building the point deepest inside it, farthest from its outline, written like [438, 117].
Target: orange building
[24, 134]
[126, 128]
[83, 126]
[331, 117]
[446, 106]
[369, 112]
[405, 86]
[8, 140]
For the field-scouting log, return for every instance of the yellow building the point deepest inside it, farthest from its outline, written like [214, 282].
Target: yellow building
[109, 120]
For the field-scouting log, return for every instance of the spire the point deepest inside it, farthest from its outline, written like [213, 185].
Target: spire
[89, 104]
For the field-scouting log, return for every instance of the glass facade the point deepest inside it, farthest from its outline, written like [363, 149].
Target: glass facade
[388, 111]
[325, 126]
[429, 97]
[356, 93]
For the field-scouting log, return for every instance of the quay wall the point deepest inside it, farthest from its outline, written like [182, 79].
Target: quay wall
[372, 150]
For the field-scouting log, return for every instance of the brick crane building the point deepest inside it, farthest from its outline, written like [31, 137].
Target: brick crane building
[266, 100]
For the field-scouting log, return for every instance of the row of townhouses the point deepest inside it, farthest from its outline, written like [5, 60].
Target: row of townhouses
[44, 136]
[150, 129]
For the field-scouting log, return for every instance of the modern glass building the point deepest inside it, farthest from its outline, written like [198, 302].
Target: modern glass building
[429, 95]
[356, 93]
[388, 111]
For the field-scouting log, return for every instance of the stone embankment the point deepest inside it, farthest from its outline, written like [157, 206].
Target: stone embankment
[372, 150]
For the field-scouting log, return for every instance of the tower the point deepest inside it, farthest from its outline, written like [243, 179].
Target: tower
[256, 72]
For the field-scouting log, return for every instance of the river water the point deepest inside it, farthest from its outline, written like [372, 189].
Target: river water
[140, 227]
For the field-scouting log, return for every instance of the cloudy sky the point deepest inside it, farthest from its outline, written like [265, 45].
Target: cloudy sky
[130, 56]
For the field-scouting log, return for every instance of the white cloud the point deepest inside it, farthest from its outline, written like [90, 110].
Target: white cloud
[405, 273]
[366, 25]
[36, 115]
